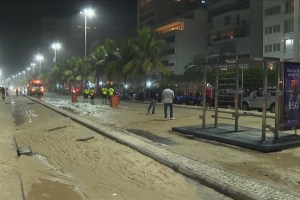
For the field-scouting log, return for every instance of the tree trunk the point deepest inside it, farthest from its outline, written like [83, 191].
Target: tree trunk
[97, 81]
[125, 83]
[145, 86]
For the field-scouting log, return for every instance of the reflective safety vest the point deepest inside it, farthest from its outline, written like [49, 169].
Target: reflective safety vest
[111, 91]
[92, 92]
[86, 91]
[104, 90]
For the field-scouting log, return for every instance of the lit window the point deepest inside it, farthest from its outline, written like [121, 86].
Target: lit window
[288, 45]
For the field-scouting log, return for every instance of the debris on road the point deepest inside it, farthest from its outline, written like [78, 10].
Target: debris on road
[85, 139]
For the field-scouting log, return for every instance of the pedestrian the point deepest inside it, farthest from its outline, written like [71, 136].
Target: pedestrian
[152, 99]
[104, 95]
[3, 93]
[6, 92]
[40, 92]
[208, 96]
[86, 94]
[111, 91]
[92, 93]
[168, 98]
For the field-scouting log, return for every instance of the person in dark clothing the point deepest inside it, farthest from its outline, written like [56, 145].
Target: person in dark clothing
[152, 98]
[3, 93]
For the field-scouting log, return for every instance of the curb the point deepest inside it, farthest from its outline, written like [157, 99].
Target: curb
[223, 181]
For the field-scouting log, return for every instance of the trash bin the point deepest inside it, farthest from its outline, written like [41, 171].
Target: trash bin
[114, 101]
[73, 96]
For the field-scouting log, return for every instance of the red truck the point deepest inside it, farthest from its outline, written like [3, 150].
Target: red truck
[35, 87]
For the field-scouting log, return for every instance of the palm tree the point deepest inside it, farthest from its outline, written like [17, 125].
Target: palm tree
[95, 62]
[120, 58]
[56, 73]
[54, 76]
[111, 54]
[76, 70]
[147, 50]
[100, 57]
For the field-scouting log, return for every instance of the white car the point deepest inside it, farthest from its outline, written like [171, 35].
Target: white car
[255, 101]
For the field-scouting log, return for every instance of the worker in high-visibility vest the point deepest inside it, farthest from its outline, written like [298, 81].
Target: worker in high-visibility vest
[111, 92]
[104, 92]
[86, 94]
[92, 93]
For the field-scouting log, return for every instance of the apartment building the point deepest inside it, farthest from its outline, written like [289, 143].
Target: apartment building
[278, 23]
[235, 29]
[185, 37]
[181, 23]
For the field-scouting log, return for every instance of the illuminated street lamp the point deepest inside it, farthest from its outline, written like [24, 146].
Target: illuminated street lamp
[24, 73]
[32, 65]
[39, 58]
[56, 46]
[87, 12]
[28, 69]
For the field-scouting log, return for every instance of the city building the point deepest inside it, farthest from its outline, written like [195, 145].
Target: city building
[235, 29]
[278, 23]
[152, 12]
[183, 25]
[185, 37]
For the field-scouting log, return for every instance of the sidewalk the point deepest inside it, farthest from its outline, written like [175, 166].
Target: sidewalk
[226, 181]
[11, 185]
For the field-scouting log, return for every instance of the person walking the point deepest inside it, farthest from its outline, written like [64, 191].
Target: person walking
[104, 94]
[167, 98]
[3, 93]
[152, 98]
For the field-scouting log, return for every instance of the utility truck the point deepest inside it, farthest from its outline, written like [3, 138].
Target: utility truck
[35, 87]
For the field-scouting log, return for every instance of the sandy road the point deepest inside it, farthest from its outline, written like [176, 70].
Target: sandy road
[279, 169]
[63, 168]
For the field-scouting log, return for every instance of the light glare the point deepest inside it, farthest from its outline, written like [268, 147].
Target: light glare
[88, 12]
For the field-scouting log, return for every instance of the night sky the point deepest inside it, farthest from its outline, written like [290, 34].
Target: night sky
[20, 25]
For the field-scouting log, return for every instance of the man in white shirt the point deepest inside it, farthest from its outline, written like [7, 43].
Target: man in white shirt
[167, 99]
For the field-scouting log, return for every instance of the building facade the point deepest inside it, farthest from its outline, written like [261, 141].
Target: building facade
[235, 29]
[185, 37]
[217, 29]
[278, 23]
[181, 23]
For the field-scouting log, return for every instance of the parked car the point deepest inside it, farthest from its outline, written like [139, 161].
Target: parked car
[227, 99]
[189, 100]
[255, 101]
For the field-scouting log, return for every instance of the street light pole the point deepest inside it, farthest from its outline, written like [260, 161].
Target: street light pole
[39, 58]
[85, 22]
[32, 65]
[56, 46]
[28, 68]
[87, 12]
